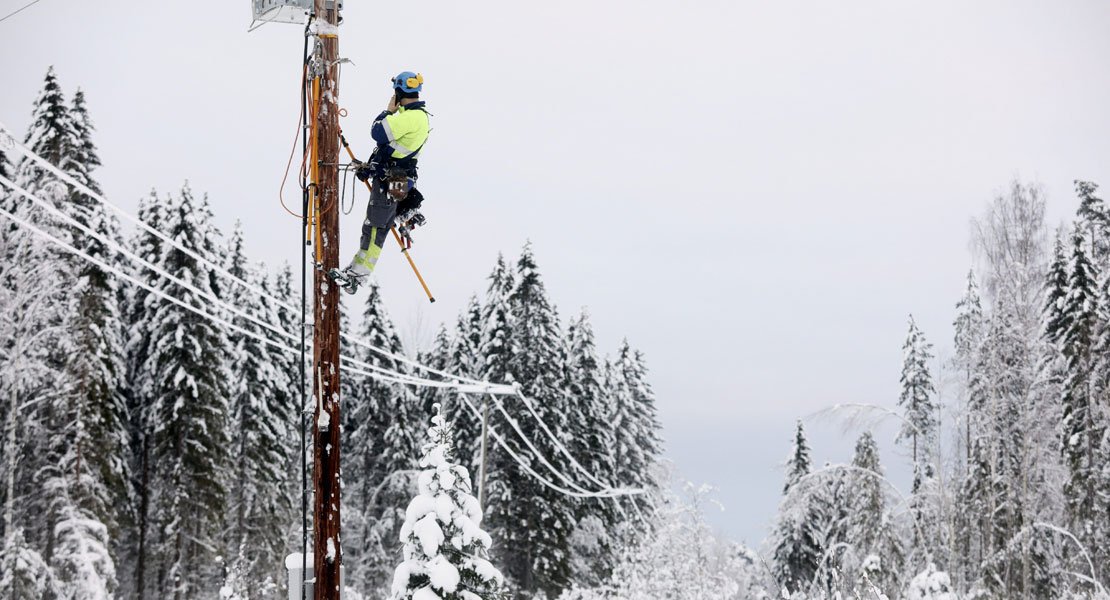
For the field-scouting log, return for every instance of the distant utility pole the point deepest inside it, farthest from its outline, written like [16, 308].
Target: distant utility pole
[325, 376]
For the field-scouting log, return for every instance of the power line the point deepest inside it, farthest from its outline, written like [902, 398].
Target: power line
[516, 427]
[558, 443]
[19, 10]
[528, 469]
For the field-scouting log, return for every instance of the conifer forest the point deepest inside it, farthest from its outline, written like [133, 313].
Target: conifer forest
[151, 411]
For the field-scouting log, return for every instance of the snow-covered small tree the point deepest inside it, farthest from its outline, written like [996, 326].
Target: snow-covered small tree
[916, 398]
[445, 549]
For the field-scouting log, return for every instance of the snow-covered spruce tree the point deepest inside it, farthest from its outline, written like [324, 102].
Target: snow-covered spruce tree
[138, 311]
[91, 440]
[1056, 294]
[259, 503]
[495, 344]
[916, 397]
[1095, 218]
[919, 426]
[445, 549]
[542, 516]
[185, 379]
[590, 438]
[635, 425]
[378, 463]
[878, 551]
[796, 541]
[52, 136]
[1083, 427]
[63, 469]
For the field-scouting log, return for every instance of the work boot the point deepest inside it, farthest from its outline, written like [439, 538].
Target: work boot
[347, 279]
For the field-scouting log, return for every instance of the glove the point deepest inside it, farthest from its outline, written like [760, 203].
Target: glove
[364, 172]
[411, 202]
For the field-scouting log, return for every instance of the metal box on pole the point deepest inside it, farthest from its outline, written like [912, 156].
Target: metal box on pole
[284, 11]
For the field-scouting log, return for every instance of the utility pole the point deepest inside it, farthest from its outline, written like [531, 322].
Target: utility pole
[327, 552]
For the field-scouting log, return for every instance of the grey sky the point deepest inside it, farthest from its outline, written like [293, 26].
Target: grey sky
[754, 193]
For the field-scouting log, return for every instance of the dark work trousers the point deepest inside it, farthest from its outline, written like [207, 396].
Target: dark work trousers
[380, 212]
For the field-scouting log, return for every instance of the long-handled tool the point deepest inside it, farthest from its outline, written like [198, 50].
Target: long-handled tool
[396, 236]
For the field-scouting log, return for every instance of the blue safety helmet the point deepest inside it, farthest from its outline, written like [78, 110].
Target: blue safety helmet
[408, 82]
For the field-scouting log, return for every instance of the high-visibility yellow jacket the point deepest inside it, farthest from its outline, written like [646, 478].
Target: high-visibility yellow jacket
[403, 132]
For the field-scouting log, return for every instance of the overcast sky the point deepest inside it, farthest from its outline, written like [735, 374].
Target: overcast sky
[756, 194]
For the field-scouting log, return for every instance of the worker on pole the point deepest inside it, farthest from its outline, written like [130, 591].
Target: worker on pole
[400, 132]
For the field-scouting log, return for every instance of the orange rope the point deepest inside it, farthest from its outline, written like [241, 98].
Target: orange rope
[292, 151]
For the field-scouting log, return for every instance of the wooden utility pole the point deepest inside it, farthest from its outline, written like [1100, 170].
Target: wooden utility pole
[327, 552]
